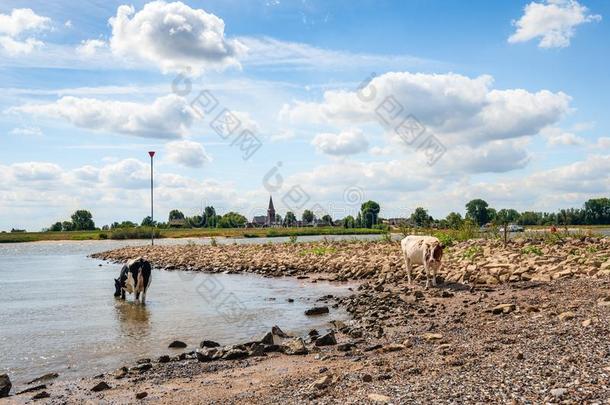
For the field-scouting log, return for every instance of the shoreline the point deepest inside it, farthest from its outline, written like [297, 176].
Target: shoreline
[545, 339]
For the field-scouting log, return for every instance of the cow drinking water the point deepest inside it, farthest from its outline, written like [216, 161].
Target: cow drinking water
[135, 278]
[424, 250]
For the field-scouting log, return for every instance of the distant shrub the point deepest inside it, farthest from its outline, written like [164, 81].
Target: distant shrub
[134, 233]
[103, 235]
[250, 235]
[445, 238]
[213, 241]
[386, 237]
[292, 238]
[534, 250]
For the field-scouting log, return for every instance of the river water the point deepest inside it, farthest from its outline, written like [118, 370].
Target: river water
[58, 313]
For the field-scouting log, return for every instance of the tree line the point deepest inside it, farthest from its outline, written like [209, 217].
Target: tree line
[595, 211]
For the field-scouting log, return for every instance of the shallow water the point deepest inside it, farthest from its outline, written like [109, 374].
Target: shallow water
[58, 313]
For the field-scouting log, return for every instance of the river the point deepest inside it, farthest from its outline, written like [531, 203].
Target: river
[58, 313]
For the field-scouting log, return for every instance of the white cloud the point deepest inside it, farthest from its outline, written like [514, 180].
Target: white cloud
[90, 47]
[456, 108]
[556, 137]
[553, 22]
[35, 171]
[186, 153]
[15, 25]
[347, 142]
[493, 157]
[174, 36]
[603, 142]
[26, 131]
[167, 117]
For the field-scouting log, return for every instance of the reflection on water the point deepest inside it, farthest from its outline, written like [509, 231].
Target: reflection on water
[58, 312]
[133, 319]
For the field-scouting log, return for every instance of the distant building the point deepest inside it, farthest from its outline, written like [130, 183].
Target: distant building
[396, 221]
[266, 221]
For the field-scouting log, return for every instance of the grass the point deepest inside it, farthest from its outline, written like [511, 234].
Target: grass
[531, 250]
[144, 233]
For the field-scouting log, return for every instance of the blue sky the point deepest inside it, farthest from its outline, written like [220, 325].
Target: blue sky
[514, 92]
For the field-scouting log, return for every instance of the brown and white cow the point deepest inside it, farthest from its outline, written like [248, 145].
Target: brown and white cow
[424, 250]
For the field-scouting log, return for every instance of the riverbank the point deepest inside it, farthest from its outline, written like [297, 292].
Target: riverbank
[477, 261]
[524, 342]
[144, 233]
[530, 323]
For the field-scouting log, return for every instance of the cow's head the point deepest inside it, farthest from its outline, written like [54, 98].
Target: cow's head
[434, 255]
[117, 287]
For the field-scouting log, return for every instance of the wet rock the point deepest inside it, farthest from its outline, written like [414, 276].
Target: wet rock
[272, 348]
[32, 389]
[257, 350]
[208, 343]
[46, 377]
[41, 395]
[313, 333]
[367, 378]
[5, 385]
[163, 359]
[143, 361]
[317, 311]
[120, 373]
[141, 395]
[235, 354]
[326, 340]
[206, 355]
[294, 346]
[101, 386]
[290, 300]
[142, 368]
[278, 332]
[345, 347]
[177, 344]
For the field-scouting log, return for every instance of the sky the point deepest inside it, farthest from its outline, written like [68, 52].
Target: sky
[322, 105]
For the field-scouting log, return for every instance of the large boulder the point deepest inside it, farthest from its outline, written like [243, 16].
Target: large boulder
[294, 346]
[326, 340]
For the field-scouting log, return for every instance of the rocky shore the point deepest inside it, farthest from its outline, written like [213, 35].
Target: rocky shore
[475, 262]
[525, 323]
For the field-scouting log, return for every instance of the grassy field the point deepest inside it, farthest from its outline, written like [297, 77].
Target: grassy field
[143, 233]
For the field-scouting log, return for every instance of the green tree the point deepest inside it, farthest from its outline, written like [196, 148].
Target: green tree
[67, 226]
[82, 220]
[477, 210]
[349, 222]
[209, 217]
[175, 215]
[358, 223]
[420, 217]
[327, 220]
[148, 221]
[232, 220]
[454, 220]
[307, 217]
[290, 219]
[597, 211]
[370, 213]
[506, 216]
[530, 218]
[56, 227]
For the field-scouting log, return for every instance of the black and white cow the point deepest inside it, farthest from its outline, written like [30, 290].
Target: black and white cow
[135, 278]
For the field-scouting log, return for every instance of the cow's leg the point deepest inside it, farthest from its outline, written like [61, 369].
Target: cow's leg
[122, 294]
[427, 271]
[433, 276]
[144, 297]
[137, 293]
[408, 266]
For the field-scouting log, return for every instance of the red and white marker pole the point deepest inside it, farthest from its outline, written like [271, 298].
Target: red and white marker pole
[152, 206]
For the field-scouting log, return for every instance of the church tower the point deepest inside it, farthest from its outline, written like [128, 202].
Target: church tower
[270, 213]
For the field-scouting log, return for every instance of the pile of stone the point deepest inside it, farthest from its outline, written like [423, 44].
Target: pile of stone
[477, 261]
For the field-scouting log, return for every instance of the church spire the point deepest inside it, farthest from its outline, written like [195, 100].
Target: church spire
[270, 213]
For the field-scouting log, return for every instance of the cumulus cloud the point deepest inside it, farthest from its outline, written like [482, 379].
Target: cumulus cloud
[603, 142]
[347, 142]
[15, 26]
[494, 157]
[90, 47]
[553, 22]
[557, 137]
[456, 108]
[186, 153]
[174, 36]
[35, 171]
[167, 117]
